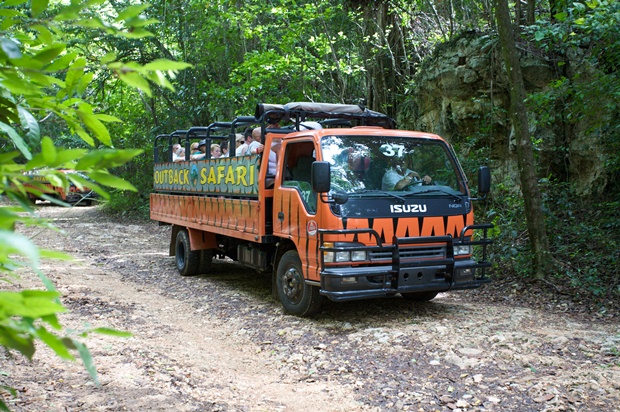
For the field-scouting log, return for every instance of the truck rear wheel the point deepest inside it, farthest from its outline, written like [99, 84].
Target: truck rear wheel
[297, 297]
[187, 260]
[206, 261]
[420, 296]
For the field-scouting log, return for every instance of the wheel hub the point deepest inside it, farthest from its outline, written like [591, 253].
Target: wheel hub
[292, 284]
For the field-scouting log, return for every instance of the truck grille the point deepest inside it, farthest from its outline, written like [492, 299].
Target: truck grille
[430, 252]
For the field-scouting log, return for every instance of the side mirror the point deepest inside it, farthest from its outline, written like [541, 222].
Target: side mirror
[340, 198]
[484, 180]
[320, 177]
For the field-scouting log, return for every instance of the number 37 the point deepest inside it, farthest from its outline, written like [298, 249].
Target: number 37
[393, 150]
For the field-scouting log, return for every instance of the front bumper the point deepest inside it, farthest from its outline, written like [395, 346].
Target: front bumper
[403, 274]
[75, 197]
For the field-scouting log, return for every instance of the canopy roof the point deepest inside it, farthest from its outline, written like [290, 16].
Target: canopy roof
[301, 111]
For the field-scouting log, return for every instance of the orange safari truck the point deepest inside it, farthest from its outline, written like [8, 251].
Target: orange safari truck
[73, 193]
[343, 207]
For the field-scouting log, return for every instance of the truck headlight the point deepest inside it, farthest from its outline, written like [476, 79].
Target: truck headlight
[460, 250]
[359, 255]
[343, 256]
[355, 256]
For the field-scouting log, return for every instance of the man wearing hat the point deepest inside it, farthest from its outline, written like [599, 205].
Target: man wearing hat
[202, 146]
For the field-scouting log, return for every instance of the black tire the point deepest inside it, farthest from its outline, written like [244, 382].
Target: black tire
[420, 296]
[206, 261]
[187, 260]
[297, 297]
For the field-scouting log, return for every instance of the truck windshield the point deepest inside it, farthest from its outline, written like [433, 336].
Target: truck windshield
[378, 166]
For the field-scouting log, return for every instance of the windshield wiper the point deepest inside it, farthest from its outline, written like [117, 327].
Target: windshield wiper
[435, 190]
[378, 192]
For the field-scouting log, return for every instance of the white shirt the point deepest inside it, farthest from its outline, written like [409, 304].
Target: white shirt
[392, 177]
[241, 150]
[253, 146]
[271, 167]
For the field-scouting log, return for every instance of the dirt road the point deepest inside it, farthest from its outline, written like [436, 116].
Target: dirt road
[221, 343]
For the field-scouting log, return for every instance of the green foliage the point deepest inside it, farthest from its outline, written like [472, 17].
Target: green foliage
[45, 78]
[583, 237]
[30, 315]
[582, 44]
[134, 204]
[510, 250]
[584, 36]
[585, 240]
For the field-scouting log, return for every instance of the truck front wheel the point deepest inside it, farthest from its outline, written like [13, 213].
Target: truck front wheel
[297, 297]
[187, 260]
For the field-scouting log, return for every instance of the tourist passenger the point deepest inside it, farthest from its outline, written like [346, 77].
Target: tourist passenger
[176, 148]
[241, 146]
[256, 147]
[216, 151]
[179, 156]
[194, 149]
[202, 146]
[224, 148]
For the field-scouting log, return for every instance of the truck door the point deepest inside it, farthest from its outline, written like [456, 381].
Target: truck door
[295, 204]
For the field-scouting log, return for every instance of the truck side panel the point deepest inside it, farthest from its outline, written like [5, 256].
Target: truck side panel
[238, 218]
[293, 221]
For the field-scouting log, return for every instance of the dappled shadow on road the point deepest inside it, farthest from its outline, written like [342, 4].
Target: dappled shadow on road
[231, 278]
[395, 309]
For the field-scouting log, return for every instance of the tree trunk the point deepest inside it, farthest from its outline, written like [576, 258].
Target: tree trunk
[531, 12]
[377, 71]
[385, 56]
[539, 241]
[518, 14]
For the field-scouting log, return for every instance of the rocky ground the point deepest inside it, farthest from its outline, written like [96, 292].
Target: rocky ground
[222, 343]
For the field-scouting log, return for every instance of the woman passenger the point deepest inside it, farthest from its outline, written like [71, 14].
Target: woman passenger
[216, 151]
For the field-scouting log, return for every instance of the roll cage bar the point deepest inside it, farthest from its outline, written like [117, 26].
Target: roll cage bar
[266, 115]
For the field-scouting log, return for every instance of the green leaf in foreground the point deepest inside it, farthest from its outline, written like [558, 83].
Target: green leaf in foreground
[165, 64]
[11, 391]
[87, 359]
[107, 179]
[14, 243]
[54, 343]
[29, 303]
[112, 332]
[106, 158]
